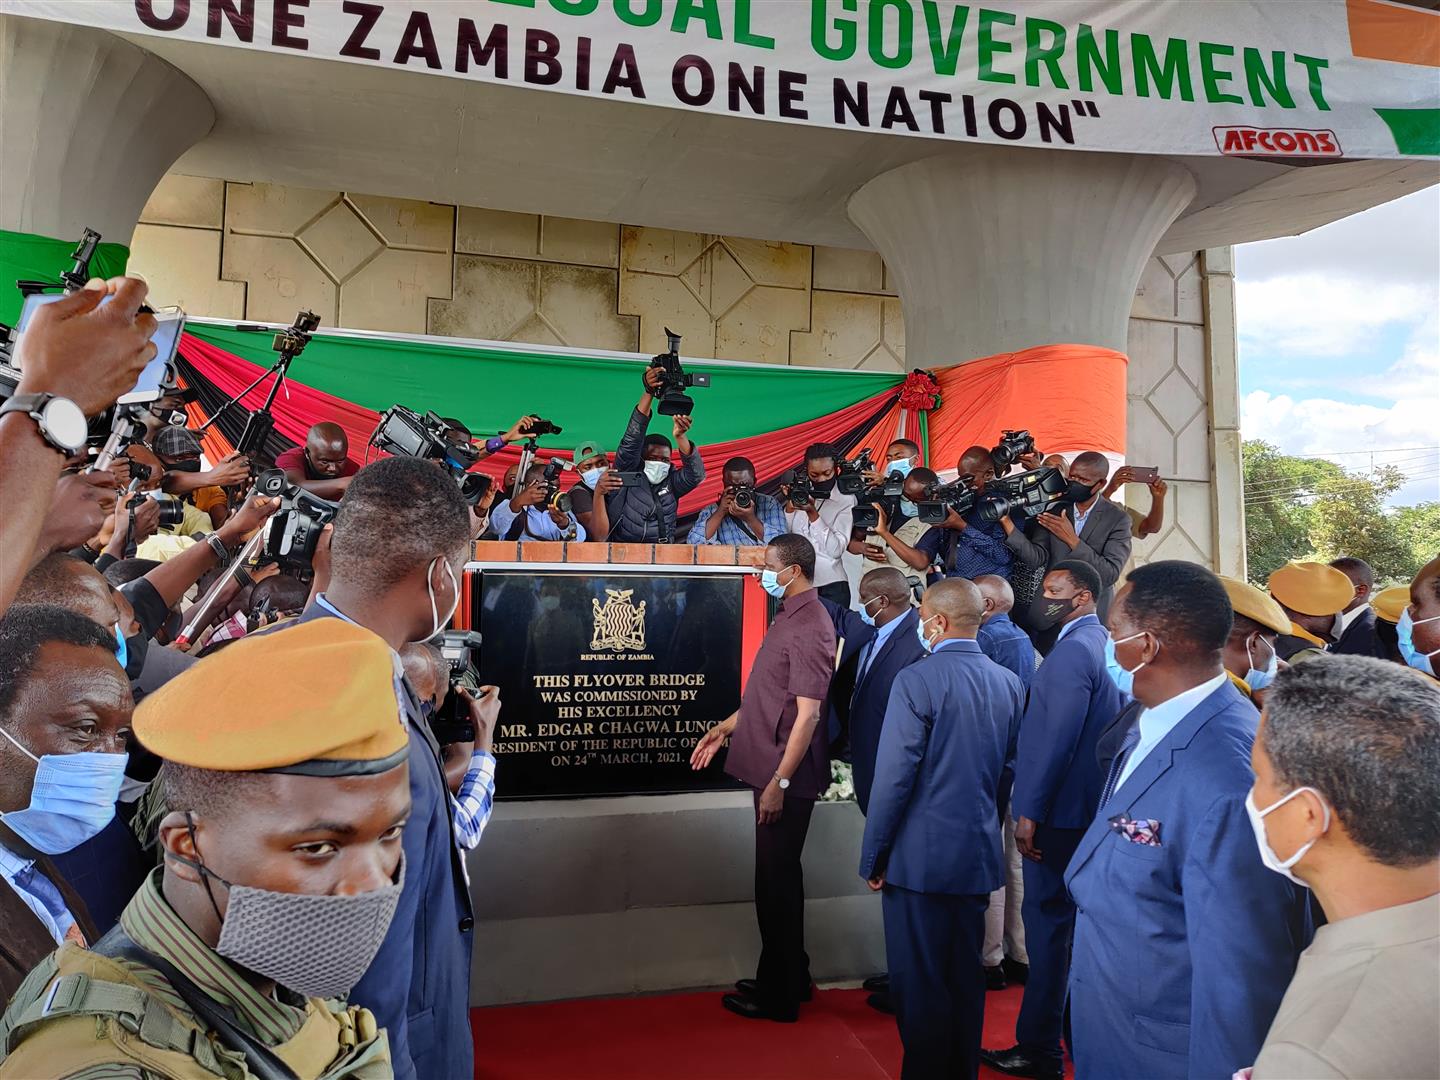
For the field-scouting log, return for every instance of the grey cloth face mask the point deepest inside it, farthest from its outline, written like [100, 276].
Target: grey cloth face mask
[317, 946]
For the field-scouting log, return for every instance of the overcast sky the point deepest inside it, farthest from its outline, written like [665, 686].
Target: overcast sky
[1340, 341]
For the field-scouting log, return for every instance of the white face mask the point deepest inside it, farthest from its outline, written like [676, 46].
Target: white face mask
[439, 623]
[1262, 840]
[655, 471]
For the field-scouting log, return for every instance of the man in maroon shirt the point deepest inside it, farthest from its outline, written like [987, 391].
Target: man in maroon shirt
[778, 748]
[323, 464]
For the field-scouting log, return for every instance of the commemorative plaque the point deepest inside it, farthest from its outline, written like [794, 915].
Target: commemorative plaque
[607, 680]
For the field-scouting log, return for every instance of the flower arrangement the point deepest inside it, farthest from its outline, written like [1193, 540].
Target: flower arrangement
[842, 783]
[920, 391]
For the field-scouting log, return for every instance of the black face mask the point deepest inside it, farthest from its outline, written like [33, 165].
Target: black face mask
[188, 465]
[1052, 611]
[136, 649]
[1077, 492]
[826, 486]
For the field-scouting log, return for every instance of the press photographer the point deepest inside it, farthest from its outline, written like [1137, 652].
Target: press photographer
[588, 497]
[965, 544]
[1087, 527]
[823, 515]
[742, 516]
[322, 466]
[645, 511]
[539, 510]
[186, 478]
[897, 528]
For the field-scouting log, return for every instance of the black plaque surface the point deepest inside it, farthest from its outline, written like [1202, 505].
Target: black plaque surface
[607, 680]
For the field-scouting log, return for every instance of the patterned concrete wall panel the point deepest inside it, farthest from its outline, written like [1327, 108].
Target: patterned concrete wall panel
[659, 302]
[758, 326]
[851, 330]
[273, 209]
[340, 241]
[194, 201]
[529, 236]
[408, 223]
[392, 291]
[1170, 288]
[1188, 531]
[548, 304]
[768, 262]
[659, 251]
[1151, 348]
[280, 278]
[847, 270]
[183, 267]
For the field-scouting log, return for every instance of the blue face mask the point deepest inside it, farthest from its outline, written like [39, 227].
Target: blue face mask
[770, 582]
[1121, 677]
[925, 642]
[908, 508]
[900, 468]
[1257, 679]
[73, 798]
[122, 652]
[1405, 630]
[591, 477]
[865, 616]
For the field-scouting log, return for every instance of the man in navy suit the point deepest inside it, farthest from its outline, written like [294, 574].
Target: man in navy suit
[1355, 626]
[1057, 786]
[932, 838]
[1184, 941]
[1000, 639]
[403, 583]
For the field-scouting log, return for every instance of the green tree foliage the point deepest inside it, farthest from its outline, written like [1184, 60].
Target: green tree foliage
[1310, 508]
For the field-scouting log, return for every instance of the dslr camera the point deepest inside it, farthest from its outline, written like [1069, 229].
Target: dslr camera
[555, 499]
[1038, 491]
[451, 722]
[675, 380]
[958, 495]
[405, 433]
[802, 489]
[850, 475]
[295, 528]
[743, 496]
[1012, 447]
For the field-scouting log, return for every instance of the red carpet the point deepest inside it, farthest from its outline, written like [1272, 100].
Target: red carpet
[689, 1036]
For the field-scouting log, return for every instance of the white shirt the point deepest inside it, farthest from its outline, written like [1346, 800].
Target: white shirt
[830, 533]
[1164, 718]
[1345, 618]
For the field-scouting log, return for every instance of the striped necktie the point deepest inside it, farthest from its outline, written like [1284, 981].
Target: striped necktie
[1112, 781]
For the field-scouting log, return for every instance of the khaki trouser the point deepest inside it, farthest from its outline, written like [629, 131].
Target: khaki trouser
[1004, 932]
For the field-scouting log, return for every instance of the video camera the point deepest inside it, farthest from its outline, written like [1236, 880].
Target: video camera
[405, 433]
[675, 380]
[885, 495]
[958, 495]
[802, 489]
[451, 722]
[542, 427]
[295, 528]
[1012, 447]
[850, 475]
[1038, 491]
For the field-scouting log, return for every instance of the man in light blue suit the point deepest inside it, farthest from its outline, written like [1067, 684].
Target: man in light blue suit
[1184, 941]
[1057, 786]
[932, 836]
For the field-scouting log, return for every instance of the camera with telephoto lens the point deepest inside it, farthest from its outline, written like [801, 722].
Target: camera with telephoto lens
[1012, 447]
[405, 433]
[294, 528]
[675, 380]
[172, 512]
[743, 496]
[540, 427]
[958, 495]
[555, 499]
[452, 722]
[886, 496]
[802, 489]
[1038, 491]
[850, 475]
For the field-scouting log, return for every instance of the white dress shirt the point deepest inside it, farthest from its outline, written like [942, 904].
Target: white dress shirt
[1345, 618]
[830, 533]
[1158, 722]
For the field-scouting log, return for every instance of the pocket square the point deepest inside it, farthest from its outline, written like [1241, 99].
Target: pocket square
[1138, 830]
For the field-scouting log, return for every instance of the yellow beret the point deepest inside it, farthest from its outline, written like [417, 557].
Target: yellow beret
[1312, 588]
[1249, 601]
[1391, 602]
[316, 699]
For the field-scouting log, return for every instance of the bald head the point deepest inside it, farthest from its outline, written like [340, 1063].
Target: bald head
[996, 594]
[952, 609]
[423, 665]
[1054, 461]
[978, 463]
[326, 448]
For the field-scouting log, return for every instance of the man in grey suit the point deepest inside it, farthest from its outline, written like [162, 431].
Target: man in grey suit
[1090, 528]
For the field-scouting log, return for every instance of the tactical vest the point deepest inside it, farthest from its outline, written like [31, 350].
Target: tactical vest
[78, 1009]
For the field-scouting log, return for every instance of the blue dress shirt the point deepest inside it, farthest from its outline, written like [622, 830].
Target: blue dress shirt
[767, 509]
[1158, 722]
[39, 893]
[1009, 646]
[539, 525]
[875, 644]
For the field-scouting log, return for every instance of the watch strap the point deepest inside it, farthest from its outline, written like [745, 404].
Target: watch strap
[33, 406]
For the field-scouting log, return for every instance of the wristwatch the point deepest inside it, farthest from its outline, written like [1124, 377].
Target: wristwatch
[781, 781]
[59, 419]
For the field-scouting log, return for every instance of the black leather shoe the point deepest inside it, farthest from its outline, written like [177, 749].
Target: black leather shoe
[1015, 971]
[1017, 1061]
[876, 984]
[995, 978]
[750, 1009]
[881, 1002]
[750, 988]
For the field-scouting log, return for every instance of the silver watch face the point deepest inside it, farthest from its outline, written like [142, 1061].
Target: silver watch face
[65, 423]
